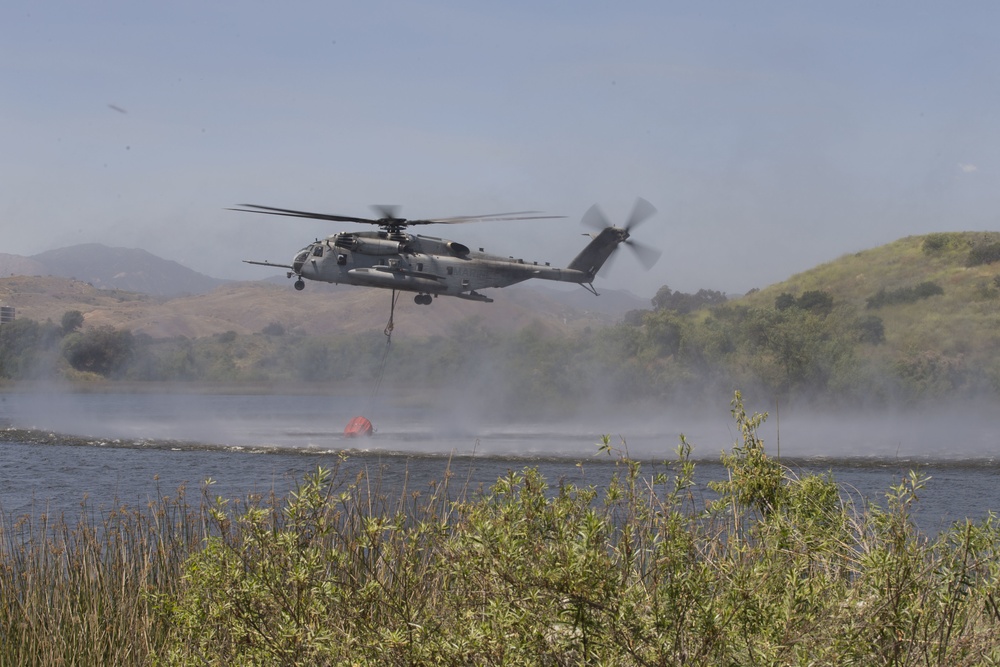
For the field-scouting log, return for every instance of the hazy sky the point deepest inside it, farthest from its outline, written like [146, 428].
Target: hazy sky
[772, 136]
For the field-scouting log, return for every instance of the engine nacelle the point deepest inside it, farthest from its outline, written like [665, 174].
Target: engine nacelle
[367, 246]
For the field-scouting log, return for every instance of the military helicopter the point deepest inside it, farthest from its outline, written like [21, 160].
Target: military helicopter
[392, 258]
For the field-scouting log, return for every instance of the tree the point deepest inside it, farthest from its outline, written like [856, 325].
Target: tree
[103, 350]
[784, 301]
[71, 321]
[667, 299]
[663, 331]
[816, 301]
[662, 297]
[17, 343]
[790, 349]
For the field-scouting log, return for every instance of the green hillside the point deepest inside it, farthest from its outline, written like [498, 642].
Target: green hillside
[937, 297]
[971, 290]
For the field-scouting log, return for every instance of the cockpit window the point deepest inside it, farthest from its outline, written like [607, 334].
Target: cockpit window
[318, 251]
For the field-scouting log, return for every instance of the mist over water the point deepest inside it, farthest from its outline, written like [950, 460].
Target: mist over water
[313, 422]
[948, 433]
[134, 446]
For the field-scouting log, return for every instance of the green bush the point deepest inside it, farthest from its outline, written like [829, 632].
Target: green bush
[871, 329]
[774, 572]
[936, 243]
[102, 350]
[816, 301]
[784, 301]
[984, 253]
[901, 295]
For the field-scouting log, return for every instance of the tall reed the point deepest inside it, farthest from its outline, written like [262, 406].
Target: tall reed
[84, 590]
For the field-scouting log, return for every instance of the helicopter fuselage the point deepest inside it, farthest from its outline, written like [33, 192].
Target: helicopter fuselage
[392, 258]
[416, 263]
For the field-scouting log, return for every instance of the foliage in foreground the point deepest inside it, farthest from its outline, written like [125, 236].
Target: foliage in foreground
[79, 593]
[774, 569]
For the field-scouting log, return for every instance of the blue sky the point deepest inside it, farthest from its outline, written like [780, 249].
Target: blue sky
[771, 136]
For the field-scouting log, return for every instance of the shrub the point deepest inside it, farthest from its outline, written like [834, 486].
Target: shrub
[871, 329]
[784, 301]
[902, 295]
[816, 301]
[273, 329]
[985, 252]
[939, 242]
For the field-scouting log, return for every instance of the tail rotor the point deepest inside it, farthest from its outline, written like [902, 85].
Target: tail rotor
[642, 210]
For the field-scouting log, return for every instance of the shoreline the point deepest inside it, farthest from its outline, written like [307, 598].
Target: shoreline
[164, 387]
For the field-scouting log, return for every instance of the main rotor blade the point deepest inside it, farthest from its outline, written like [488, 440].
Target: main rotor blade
[595, 218]
[490, 217]
[389, 213]
[647, 255]
[271, 210]
[641, 211]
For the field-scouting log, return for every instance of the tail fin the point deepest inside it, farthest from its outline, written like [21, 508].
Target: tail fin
[592, 258]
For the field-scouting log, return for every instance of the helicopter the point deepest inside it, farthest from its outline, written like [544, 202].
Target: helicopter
[393, 258]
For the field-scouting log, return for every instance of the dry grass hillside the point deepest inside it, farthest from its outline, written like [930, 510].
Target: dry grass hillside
[248, 307]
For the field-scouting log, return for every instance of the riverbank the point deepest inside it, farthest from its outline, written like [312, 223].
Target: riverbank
[104, 386]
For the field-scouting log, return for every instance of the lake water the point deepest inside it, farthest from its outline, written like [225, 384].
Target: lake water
[57, 448]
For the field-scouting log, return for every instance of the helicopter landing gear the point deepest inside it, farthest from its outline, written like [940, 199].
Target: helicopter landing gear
[422, 299]
[300, 284]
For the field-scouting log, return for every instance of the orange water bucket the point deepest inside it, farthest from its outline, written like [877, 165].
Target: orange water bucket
[357, 427]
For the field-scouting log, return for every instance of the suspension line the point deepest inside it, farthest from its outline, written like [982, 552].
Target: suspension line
[385, 352]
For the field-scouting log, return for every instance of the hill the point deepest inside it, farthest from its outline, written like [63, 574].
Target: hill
[962, 320]
[129, 269]
[18, 265]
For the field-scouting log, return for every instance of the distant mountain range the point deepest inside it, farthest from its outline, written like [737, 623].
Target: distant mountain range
[104, 267]
[136, 290]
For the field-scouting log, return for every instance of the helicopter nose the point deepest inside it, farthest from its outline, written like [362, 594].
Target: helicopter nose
[299, 260]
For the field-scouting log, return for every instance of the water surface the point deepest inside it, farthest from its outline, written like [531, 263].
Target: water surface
[60, 448]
